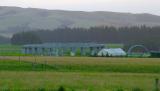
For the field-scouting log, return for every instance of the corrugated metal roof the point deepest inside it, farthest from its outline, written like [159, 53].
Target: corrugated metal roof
[48, 45]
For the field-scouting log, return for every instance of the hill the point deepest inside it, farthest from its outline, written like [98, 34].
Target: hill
[15, 19]
[4, 40]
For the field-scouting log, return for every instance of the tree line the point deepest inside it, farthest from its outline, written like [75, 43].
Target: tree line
[148, 36]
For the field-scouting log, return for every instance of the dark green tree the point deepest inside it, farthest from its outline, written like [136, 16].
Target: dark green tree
[25, 38]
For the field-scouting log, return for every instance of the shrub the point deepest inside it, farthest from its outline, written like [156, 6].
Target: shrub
[61, 88]
[41, 89]
[119, 89]
[137, 89]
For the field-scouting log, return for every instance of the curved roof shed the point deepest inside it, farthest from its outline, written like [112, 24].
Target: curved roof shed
[112, 52]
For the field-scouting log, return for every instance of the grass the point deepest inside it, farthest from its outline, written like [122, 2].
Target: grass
[77, 81]
[9, 46]
[10, 50]
[78, 73]
[12, 65]
[90, 64]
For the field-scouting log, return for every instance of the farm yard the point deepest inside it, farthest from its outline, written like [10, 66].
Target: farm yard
[20, 72]
[76, 45]
[78, 73]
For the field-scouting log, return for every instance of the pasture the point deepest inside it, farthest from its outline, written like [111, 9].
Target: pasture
[78, 73]
[77, 81]
[10, 50]
[95, 64]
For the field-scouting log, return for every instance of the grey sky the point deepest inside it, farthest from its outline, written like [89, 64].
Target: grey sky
[133, 6]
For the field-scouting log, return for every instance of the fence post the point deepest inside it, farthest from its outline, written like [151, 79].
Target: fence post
[156, 84]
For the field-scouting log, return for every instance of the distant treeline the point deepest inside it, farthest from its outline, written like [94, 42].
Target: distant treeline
[148, 36]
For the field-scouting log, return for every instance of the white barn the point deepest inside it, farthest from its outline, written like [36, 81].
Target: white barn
[114, 52]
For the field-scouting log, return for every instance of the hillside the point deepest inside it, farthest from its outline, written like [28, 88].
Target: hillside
[4, 40]
[15, 19]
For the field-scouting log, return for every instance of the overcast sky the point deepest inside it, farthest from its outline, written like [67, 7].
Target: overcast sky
[132, 6]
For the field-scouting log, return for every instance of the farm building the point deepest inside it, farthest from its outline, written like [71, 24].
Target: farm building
[61, 49]
[112, 52]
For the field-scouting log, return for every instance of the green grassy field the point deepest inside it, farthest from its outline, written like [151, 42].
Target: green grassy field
[78, 73]
[10, 50]
[96, 64]
[12, 65]
[77, 81]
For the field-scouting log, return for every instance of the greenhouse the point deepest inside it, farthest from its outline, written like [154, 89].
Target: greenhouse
[112, 52]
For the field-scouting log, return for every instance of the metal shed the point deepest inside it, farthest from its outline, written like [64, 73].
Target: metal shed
[59, 49]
